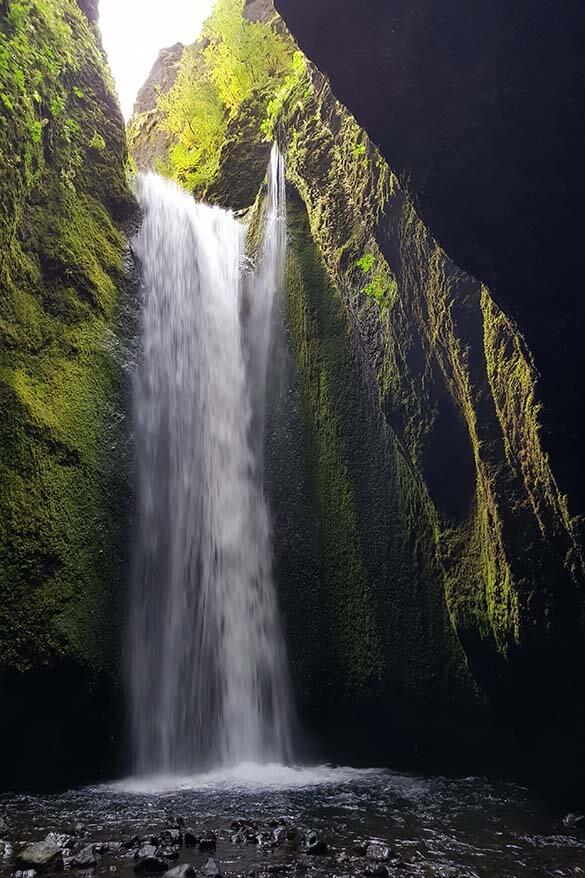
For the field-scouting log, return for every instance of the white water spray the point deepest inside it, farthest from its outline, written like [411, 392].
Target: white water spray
[208, 677]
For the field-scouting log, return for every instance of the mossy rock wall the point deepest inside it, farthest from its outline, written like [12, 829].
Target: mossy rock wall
[436, 468]
[63, 197]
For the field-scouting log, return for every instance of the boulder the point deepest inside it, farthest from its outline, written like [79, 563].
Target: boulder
[376, 870]
[185, 870]
[41, 856]
[150, 864]
[314, 844]
[208, 841]
[211, 869]
[147, 850]
[85, 859]
[168, 852]
[190, 837]
[60, 840]
[378, 853]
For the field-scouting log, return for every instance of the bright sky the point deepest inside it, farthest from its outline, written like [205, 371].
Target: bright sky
[134, 32]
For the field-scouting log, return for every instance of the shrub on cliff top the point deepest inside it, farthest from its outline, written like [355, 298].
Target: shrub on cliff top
[234, 60]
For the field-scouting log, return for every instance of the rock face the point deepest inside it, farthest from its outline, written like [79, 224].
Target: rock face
[42, 856]
[63, 197]
[149, 142]
[429, 565]
[480, 108]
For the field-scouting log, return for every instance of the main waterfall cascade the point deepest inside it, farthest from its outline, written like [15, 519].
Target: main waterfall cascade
[207, 666]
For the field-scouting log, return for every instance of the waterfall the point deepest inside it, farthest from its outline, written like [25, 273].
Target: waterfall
[207, 665]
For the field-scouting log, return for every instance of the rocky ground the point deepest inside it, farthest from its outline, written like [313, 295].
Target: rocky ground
[181, 851]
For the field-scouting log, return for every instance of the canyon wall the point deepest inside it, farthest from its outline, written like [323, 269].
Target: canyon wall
[63, 485]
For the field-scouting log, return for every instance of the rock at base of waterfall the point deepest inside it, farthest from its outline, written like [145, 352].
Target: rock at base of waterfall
[190, 837]
[6, 850]
[168, 852]
[185, 870]
[208, 842]
[150, 863]
[211, 869]
[41, 856]
[314, 844]
[376, 870]
[60, 840]
[147, 850]
[378, 853]
[85, 859]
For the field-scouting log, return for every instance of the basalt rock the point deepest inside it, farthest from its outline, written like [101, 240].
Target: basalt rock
[42, 856]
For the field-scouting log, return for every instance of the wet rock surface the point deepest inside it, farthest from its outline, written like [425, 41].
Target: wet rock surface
[351, 824]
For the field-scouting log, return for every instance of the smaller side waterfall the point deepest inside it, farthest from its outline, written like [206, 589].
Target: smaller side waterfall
[208, 675]
[266, 283]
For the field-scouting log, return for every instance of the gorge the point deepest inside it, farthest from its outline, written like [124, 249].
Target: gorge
[290, 460]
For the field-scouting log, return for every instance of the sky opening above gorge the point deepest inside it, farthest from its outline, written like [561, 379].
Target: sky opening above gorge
[134, 32]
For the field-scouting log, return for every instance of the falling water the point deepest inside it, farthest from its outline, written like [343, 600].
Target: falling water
[208, 678]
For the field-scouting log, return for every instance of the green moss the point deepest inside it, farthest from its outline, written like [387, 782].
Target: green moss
[321, 346]
[62, 174]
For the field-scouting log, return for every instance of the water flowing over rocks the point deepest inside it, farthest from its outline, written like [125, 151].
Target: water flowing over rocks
[373, 823]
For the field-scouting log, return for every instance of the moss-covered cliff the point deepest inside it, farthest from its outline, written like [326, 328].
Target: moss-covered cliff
[63, 194]
[427, 562]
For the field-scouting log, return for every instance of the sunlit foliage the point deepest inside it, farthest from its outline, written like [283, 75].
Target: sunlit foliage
[234, 60]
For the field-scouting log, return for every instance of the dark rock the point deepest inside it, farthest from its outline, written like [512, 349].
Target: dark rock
[151, 839]
[130, 843]
[314, 844]
[279, 834]
[243, 824]
[147, 850]
[208, 841]
[571, 821]
[190, 837]
[185, 870]
[42, 856]
[85, 859]
[238, 837]
[360, 848]
[80, 829]
[379, 853]
[376, 870]
[60, 840]
[211, 869]
[168, 852]
[90, 7]
[171, 836]
[151, 863]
